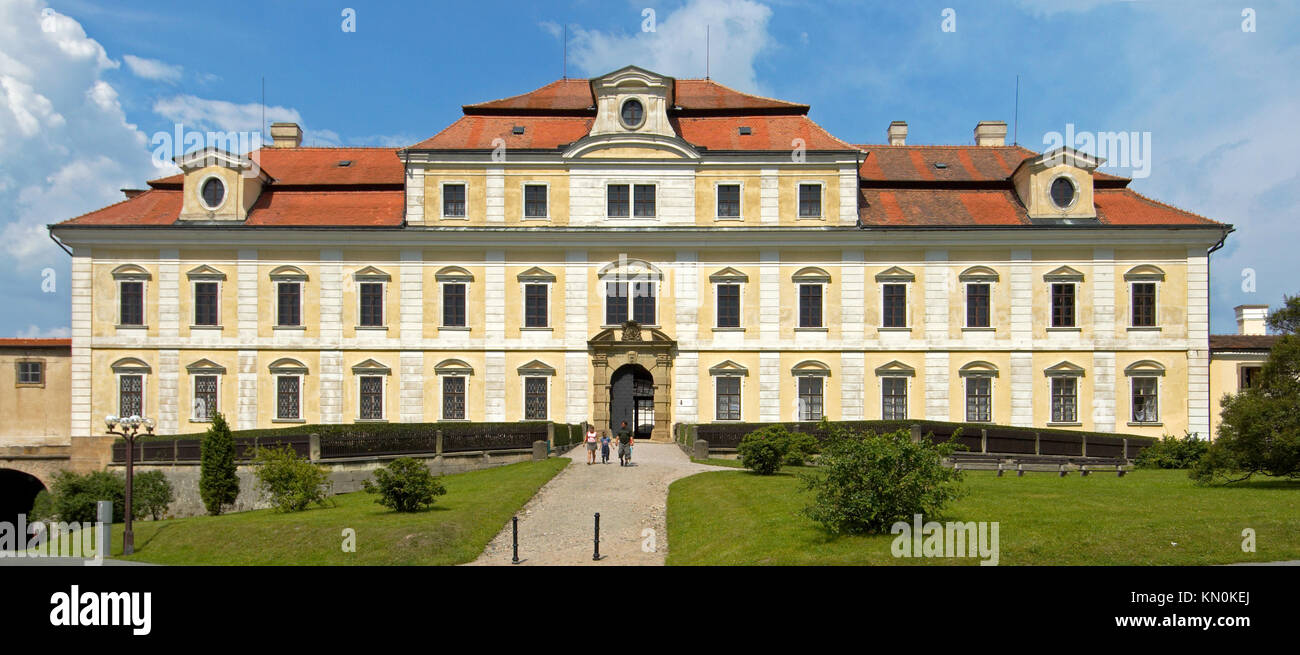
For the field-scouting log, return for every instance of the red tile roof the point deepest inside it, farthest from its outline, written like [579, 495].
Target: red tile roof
[35, 343]
[919, 206]
[706, 95]
[575, 96]
[479, 132]
[316, 166]
[153, 207]
[767, 133]
[328, 208]
[916, 163]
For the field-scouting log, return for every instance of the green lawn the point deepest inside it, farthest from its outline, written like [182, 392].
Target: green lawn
[456, 530]
[1043, 519]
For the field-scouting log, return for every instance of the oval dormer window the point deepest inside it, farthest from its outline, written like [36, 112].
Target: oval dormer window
[212, 192]
[632, 114]
[1063, 192]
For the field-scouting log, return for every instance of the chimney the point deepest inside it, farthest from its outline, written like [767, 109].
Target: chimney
[991, 133]
[1250, 319]
[286, 135]
[898, 133]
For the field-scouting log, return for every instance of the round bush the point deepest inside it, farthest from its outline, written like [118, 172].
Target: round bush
[405, 485]
[763, 450]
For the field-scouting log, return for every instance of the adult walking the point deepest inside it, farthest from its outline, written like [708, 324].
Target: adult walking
[592, 439]
[625, 442]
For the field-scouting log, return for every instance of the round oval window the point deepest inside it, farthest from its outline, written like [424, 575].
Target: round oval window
[633, 113]
[213, 192]
[1062, 192]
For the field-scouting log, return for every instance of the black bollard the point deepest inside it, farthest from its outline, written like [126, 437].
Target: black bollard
[515, 558]
[595, 555]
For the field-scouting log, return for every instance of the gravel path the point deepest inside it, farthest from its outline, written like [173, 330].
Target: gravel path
[556, 526]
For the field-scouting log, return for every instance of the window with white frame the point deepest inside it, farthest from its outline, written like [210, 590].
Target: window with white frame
[370, 397]
[30, 373]
[634, 200]
[454, 204]
[131, 281]
[1144, 288]
[130, 395]
[205, 397]
[1146, 399]
[728, 291]
[288, 397]
[371, 299]
[728, 200]
[727, 393]
[893, 398]
[535, 201]
[810, 200]
[1063, 286]
[811, 405]
[811, 285]
[454, 282]
[979, 399]
[1065, 399]
[453, 397]
[893, 283]
[288, 304]
[630, 301]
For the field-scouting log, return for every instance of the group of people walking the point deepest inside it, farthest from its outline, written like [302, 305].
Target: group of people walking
[595, 439]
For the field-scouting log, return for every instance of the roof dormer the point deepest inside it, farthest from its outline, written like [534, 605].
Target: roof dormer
[1057, 185]
[218, 185]
[632, 117]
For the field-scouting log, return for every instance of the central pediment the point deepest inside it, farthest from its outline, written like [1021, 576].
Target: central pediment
[632, 106]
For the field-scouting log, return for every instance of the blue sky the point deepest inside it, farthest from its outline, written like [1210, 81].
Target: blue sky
[84, 86]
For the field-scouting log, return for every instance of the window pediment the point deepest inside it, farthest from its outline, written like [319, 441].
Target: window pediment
[131, 272]
[1145, 273]
[453, 367]
[895, 369]
[536, 367]
[536, 274]
[729, 275]
[288, 366]
[371, 274]
[288, 274]
[1063, 369]
[978, 368]
[1145, 367]
[206, 366]
[1063, 274]
[370, 367]
[895, 274]
[131, 365]
[630, 270]
[454, 274]
[728, 367]
[978, 274]
[811, 367]
[811, 275]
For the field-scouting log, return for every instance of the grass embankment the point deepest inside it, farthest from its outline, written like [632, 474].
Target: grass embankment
[1146, 517]
[454, 531]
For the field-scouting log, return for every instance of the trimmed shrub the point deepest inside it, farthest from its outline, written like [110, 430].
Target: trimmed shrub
[76, 497]
[800, 448]
[1173, 453]
[289, 482]
[763, 450]
[866, 482]
[405, 485]
[218, 483]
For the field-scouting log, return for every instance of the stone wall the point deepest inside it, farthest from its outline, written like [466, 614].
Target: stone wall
[346, 476]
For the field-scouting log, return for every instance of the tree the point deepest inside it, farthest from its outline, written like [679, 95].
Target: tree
[1260, 427]
[289, 482]
[218, 481]
[405, 485]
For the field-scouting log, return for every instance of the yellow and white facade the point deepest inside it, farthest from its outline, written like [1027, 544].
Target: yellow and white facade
[710, 256]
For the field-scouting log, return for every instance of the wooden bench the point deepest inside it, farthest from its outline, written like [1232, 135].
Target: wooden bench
[979, 462]
[1048, 464]
[1086, 465]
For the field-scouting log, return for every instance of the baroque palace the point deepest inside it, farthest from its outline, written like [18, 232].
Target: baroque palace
[642, 248]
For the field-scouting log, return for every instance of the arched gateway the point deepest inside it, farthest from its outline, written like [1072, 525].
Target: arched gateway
[633, 379]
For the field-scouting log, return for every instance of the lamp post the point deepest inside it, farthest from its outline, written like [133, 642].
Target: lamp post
[127, 428]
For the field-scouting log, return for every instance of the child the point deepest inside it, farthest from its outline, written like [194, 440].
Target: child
[604, 448]
[591, 444]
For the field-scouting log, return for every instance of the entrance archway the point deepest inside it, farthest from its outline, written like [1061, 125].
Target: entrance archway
[632, 399]
[651, 351]
[17, 494]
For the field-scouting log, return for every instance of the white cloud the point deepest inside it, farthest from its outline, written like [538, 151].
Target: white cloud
[220, 115]
[153, 69]
[737, 34]
[37, 332]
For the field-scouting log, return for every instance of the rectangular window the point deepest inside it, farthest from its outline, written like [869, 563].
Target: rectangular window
[535, 305]
[1145, 402]
[979, 399]
[132, 304]
[615, 303]
[1248, 376]
[205, 397]
[893, 399]
[618, 201]
[372, 304]
[894, 306]
[1144, 304]
[453, 305]
[977, 305]
[810, 398]
[643, 303]
[130, 395]
[287, 397]
[728, 392]
[810, 200]
[289, 303]
[1063, 305]
[31, 373]
[810, 305]
[205, 303]
[372, 398]
[728, 201]
[728, 305]
[1065, 400]
[643, 201]
[535, 399]
[535, 201]
[453, 200]
[453, 398]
